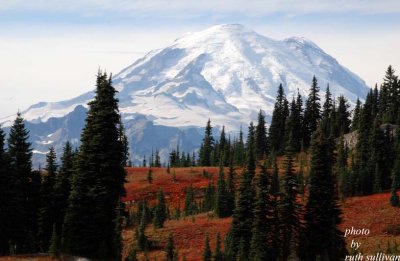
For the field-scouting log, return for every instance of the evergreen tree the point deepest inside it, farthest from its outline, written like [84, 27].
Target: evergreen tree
[362, 162]
[277, 127]
[62, 187]
[209, 197]
[275, 188]
[124, 141]
[394, 198]
[258, 249]
[327, 110]
[218, 255]
[132, 256]
[190, 203]
[157, 159]
[322, 213]
[289, 208]
[149, 176]
[54, 248]
[389, 97]
[293, 126]
[356, 116]
[141, 238]
[171, 254]
[239, 151]
[207, 146]
[240, 231]
[261, 137]
[311, 113]
[207, 254]
[223, 152]
[160, 211]
[91, 222]
[230, 186]
[46, 215]
[24, 203]
[341, 170]
[6, 197]
[221, 196]
[342, 121]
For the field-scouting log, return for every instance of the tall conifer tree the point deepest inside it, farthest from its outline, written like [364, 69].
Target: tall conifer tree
[311, 113]
[46, 215]
[62, 188]
[91, 221]
[6, 198]
[277, 127]
[322, 213]
[24, 220]
[261, 137]
[207, 146]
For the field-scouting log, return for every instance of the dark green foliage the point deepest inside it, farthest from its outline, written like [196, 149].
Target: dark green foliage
[190, 203]
[221, 196]
[91, 222]
[24, 197]
[143, 215]
[207, 254]
[46, 213]
[54, 248]
[160, 210]
[132, 256]
[342, 117]
[341, 170]
[141, 238]
[157, 159]
[364, 176]
[207, 146]
[277, 127]
[218, 255]
[230, 186]
[222, 149]
[144, 163]
[62, 187]
[275, 188]
[258, 249]
[327, 111]
[239, 150]
[7, 189]
[293, 124]
[171, 254]
[356, 116]
[322, 213]
[209, 197]
[289, 208]
[149, 176]
[261, 145]
[389, 99]
[242, 221]
[394, 198]
[125, 144]
[311, 113]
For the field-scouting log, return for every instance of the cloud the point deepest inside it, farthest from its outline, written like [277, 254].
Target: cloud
[165, 8]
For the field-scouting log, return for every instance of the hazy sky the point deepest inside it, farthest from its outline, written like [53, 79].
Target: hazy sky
[51, 50]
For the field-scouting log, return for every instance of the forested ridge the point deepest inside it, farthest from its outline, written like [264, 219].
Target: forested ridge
[281, 186]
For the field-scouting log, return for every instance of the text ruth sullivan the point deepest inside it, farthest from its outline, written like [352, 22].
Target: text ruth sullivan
[377, 257]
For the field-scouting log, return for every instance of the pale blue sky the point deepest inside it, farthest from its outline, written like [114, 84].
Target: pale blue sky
[51, 50]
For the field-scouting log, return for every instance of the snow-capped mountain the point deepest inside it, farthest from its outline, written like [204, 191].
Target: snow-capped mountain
[226, 73]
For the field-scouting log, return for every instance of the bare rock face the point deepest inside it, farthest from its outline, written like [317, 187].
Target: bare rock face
[350, 139]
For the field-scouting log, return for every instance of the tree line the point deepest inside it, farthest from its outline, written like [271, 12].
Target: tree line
[74, 208]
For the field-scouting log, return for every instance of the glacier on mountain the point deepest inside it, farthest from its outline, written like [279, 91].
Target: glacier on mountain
[226, 73]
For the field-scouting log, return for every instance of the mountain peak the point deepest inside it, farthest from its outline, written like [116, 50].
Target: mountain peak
[226, 73]
[227, 70]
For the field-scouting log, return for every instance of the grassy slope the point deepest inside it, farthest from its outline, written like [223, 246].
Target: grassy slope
[371, 212]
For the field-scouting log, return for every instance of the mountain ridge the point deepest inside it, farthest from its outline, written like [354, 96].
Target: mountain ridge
[226, 72]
